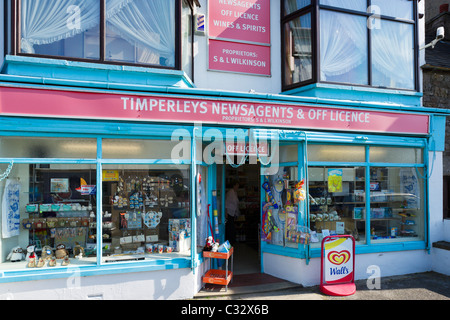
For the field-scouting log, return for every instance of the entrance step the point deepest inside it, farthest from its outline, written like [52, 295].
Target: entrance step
[247, 283]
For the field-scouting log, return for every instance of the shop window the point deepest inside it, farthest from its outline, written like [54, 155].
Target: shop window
[134, 32]
[394, 210]
[336, 153]
[396, 204]
[50, 217]
[337, 202]
[146, 212]
[146, 149]
[396, 155]
[288, 153]
[33, 147]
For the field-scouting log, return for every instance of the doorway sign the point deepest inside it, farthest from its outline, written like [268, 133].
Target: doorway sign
[337, 272]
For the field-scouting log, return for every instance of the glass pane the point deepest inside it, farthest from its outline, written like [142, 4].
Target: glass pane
[186, 25]
[31, 147]
[141, 32]
[393, 55]
[398, 8]
[146, 212]
[294, 5]
[61, 28]
[53, 211]
[283, 222]
[146, 149]
[343, 48]
[337, 206]
[396, 155]
[396, 204]
[359, 5]
[298, 59]
[336, 153]
[288, 153]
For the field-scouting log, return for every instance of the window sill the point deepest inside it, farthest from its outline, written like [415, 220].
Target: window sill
[95, 75]
[58, 272]
[380, 247]
[442, 245]
[361, 96]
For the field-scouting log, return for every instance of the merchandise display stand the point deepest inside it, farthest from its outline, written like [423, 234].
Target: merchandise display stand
[216, 276]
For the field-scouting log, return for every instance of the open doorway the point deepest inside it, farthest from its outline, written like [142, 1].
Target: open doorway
[243, 230]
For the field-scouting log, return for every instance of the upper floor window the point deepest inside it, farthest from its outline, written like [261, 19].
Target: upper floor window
[357, 42]
[120, 31]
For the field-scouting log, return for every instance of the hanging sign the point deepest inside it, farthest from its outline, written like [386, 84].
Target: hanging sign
[338, 265]
[244, 149]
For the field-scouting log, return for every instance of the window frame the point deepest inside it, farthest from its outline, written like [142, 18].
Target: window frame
[371, 245]
[312, 9]
[100, 131]
[15, 38]
[315, 8]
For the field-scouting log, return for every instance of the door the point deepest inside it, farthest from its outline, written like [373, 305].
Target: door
[284, 217]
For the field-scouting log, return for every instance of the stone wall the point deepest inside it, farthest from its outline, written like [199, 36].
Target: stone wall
[436, 94]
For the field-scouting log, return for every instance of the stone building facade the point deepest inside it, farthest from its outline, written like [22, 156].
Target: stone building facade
[436, 77]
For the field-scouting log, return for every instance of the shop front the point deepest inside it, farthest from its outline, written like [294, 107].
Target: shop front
[108, 184]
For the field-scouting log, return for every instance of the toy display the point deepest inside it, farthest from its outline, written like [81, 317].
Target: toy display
[280, 213]
[16, 255]
[271, 199]
[299, 192]
[61, 251]
[268, 224]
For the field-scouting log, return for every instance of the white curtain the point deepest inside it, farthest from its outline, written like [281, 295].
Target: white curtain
[343, 43]
[149, 24]
[393, 55]
[47, 21]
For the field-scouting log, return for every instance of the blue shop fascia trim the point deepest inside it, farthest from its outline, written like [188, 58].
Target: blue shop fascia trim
[58, 75]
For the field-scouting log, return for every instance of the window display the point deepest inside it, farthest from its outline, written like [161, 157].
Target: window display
[337, 202]
[146, 210]
[282, 211]
[51, 215]
[338, 193]
[396, 204]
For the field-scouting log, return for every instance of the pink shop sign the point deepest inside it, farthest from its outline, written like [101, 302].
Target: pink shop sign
[239, 57]
[247, 20]
[16, 101]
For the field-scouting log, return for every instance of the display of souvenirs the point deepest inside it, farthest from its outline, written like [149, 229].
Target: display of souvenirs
[179, 234]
